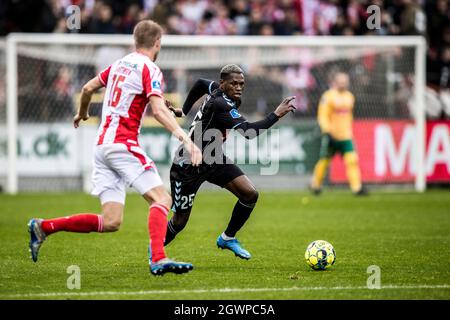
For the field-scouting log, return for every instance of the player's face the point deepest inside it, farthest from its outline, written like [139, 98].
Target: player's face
[233, 86]
[341, 81]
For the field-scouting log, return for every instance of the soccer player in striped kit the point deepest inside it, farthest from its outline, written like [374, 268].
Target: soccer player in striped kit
[131, 83]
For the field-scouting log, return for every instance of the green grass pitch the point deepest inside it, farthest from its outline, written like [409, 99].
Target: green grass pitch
[406, 234]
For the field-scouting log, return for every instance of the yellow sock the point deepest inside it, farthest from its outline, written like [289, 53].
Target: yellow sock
[320, 170]
[353, 172]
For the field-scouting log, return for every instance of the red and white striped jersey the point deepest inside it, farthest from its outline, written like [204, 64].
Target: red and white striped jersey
[129, 83]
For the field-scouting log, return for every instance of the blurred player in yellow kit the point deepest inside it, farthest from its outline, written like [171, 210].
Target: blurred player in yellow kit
[335, 117]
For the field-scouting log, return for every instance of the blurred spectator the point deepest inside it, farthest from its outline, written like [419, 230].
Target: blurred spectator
[132, 17]
[256, 22]
[288, 24]
[102, 21]
[439, 69]
[338, 28]
[161, 13]
[438, 17]
[62, 103]
[309, 9]
[27, 16]
[240, 14]
[221, 24]
[300, 80]
[413, 20]
[326, 16]
[266, 30]
[173, 24]
[193, 10]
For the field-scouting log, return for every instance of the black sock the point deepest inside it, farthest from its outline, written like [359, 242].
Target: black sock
[172, 231]
[240, 215]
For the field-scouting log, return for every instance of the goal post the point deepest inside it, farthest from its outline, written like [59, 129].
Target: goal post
[38, 63]
[11, 115]
[419, 96]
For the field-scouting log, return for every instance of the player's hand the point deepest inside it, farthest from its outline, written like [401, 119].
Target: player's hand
[77, 119]
[178, 112]
[194, 151]
[285, 107]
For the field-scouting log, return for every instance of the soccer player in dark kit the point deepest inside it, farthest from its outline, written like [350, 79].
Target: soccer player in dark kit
[218, 114]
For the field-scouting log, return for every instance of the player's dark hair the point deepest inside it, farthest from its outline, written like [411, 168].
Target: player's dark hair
[227, 70]
[146, 33]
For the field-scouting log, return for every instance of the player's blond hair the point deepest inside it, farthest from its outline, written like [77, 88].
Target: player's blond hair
[146, 33]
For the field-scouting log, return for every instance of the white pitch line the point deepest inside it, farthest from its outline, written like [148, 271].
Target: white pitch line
[220, 290]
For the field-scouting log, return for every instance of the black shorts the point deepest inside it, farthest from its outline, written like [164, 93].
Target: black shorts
[185, 181]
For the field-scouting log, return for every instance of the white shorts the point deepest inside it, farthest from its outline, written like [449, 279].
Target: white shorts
[117, 166]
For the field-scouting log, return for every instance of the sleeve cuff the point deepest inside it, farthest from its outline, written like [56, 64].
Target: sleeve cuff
[155, 94]
[272, 117]
[101, 80]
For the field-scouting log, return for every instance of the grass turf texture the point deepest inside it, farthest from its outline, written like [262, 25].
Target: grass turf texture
[406, 234]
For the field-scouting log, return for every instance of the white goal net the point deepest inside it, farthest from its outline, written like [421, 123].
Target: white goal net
[41, 151]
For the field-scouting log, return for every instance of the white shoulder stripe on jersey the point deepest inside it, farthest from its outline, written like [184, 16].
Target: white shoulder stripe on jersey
[154, 75]
[239, 124]
[209, 87]
[101, 80]
[131, 141]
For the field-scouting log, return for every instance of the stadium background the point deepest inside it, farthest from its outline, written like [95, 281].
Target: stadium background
[404, 232]
[49, 85]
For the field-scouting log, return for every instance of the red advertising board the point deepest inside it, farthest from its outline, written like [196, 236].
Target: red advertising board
[386, 149]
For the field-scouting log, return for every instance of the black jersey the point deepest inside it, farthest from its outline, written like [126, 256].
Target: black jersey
[218, 112]
[217, 115]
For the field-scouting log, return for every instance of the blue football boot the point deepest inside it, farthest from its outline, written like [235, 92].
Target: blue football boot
[37, 237]
[234, 246]
[167, 265]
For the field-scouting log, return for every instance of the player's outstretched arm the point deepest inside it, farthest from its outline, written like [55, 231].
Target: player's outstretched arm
[251, 130]
[163, 116]
[200, 88]
[86, 95]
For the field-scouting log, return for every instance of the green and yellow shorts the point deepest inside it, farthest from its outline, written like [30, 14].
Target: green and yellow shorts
[329, 146]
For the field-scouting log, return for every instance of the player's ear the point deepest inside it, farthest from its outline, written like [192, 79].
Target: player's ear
[158, 43]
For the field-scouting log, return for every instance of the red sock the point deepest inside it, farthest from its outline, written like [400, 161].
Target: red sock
[157, 226]
[83, 223]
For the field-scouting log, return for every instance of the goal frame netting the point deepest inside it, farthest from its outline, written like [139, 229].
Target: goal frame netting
[15, 39]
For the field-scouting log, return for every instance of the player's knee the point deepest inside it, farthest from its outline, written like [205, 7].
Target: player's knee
[165, 200]
[351, 159]
[250, 197]
[159, 196]
[179, 221]
[324, 162]
[112, 216]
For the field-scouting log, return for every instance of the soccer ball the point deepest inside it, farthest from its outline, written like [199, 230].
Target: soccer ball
[320, 255]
